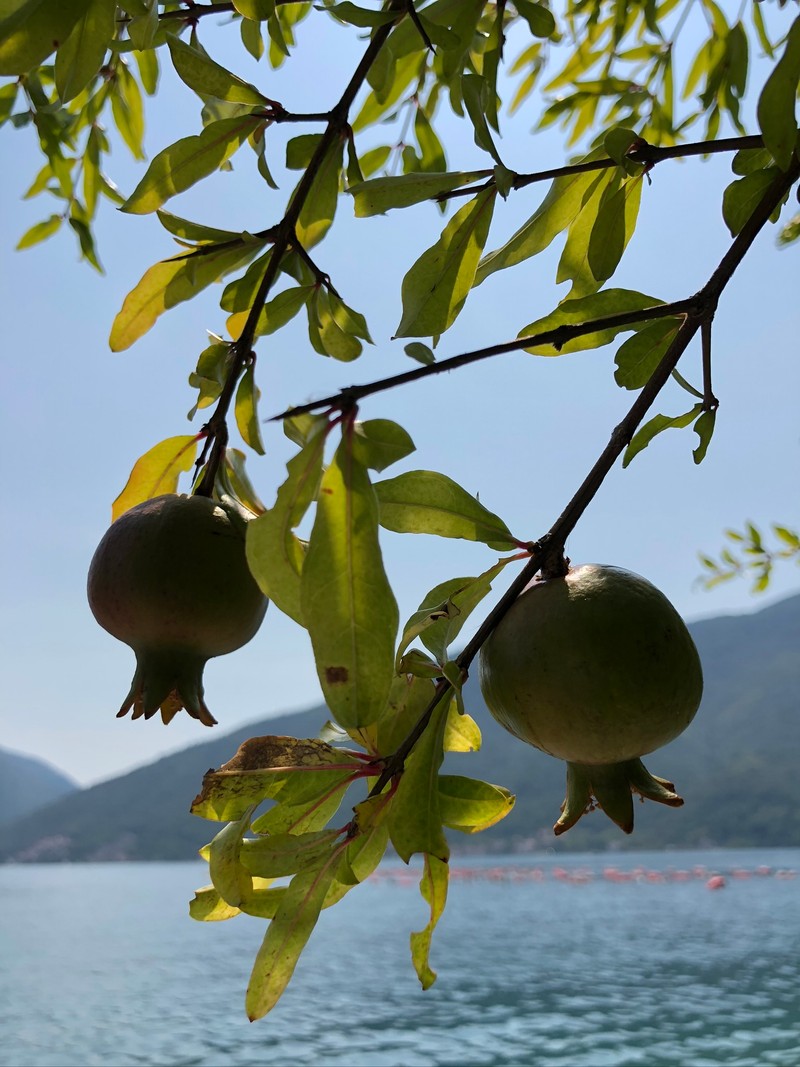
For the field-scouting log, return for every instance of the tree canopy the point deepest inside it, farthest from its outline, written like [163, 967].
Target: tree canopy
[611, 75]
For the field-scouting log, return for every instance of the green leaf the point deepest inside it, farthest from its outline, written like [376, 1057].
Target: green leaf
[432, 503]
[638, 357]
[462, 733]
[40, 232]
[188, 160]
[275, 554]
[408, 698]
[246, 411]
[326, 334]
[266, 768]
[437, 285]
[433, 887]
[299, 150]
[209, 377]
[319, 208]
[377, 443]
[742, 197]
[776, 104]
[420, 352]
[380, 195]
[208, 906]
[157, 472]
[365, 850]
[613, 227]
[81, 55]
[433, 160]
[476, 92]
[470, 805]
[704, 428]
[556, 212]
[346, 599]
[280, 854]
[307, 803]
[257, 10]
[286, 938]
[585, 310]
[539, 18]
[237, 483]
[415, 823]
[456, 603]
[656, 425]
[353, 15]
[128, 110]
[276, 312]
[31, 29]
[574, 264]
[228, 876]
[171, 282]
[207, 78]
[197, 232]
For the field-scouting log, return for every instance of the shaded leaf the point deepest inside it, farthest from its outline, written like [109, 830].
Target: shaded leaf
[704, 428]
[420, 352]
[377, 443]
[638, 357]
[319, 208]
[31, 29]
[346, 599]
[776, 104]
[157, 472]
[432, 503]
[278, 854]
[80, 56]
[415, 823]
[435, 288]
[742, 197]
[275, 554]
[656, 425]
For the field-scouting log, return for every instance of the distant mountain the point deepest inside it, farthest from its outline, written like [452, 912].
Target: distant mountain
[735, 766]
[27, 783]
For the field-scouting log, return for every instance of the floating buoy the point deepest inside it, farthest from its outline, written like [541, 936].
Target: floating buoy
[716, 881]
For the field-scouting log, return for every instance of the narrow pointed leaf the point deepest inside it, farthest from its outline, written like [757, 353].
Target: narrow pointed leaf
[704, 428]
[432, 503]
[208, 78]
[585, 309]
[278, 855]
[80, 56]
[415, 823]
[638, 357]
[157, 472]
[275, 554]
[462, 733]
[40, 232]
[378, 443]
[656, 425]
[31, 29]
[777, 103]
[228, 876]
[208, 906]
[379, 195]
[190, 159]
[434, 891]
[246, 411]
[319, 208]
[346, 599]
[286, 938]
[435, 288]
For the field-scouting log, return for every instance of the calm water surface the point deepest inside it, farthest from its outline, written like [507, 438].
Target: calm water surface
[99, 964]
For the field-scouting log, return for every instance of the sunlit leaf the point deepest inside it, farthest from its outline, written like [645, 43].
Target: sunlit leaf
[380, 195]
[246, 411]
[408, 698]
[230, 879]
[638, 357]
[206, 77]
[189, 160]
[347, 602]
[462, 733]
[31, 29]
[40, 232]
[208, 906]
[432, 503]
[435, 288]
[278, 854]
[157, 472]
[470, 805]
[319, 207]
[434, 891]
[586, 309]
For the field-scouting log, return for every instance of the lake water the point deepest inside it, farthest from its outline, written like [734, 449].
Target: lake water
[542, 962]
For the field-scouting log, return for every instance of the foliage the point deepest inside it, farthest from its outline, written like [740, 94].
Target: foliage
[607, 75]
[756, 559]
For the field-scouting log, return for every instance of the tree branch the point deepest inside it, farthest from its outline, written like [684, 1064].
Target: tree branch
[553, 542]
[284, 239]
[646, 154]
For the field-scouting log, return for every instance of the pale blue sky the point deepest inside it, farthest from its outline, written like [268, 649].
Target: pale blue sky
[519, 430]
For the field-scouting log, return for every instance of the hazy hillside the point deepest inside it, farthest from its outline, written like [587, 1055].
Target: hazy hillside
[735, 767]
[27, 783]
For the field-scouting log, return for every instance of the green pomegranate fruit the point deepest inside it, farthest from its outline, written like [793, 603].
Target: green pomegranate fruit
[595, 668]
[170, 579]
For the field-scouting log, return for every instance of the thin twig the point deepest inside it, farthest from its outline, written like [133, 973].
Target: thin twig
[553, 542]
[285, 235]
[557, 337]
